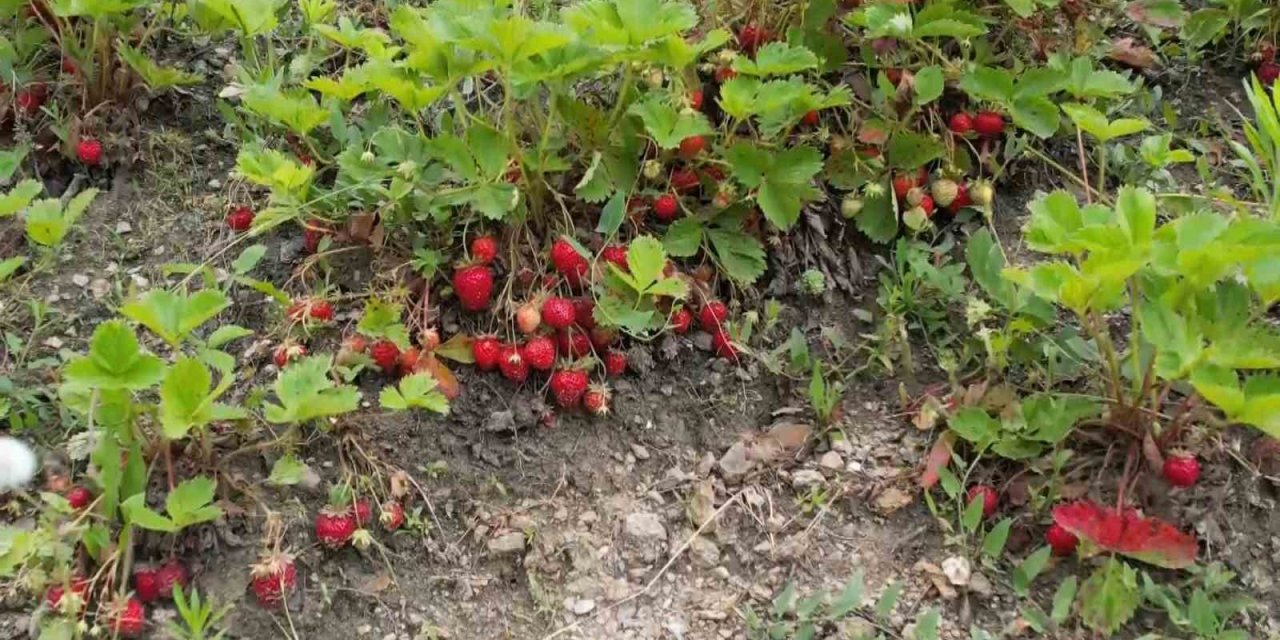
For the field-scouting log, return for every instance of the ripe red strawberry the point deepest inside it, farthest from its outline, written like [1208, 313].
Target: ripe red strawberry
[751, 37]
[617, 256]
[666, 207]
[273, 579]
[79, 497]
[990, 499]
[146, 584]
[1062, 542]
[355, 343]
[512, 364]
[573, 343]
[615, 363]
[683, 181]
[486, 350]
[988, 124]
[695, 99]
[725, 74]
[335, 526]
[960, 123]
[723, 344]
[1181, 470]
[926, 204]
[1268, 72]
[568, 262]
[386, 355]
[69, 67]
[584, 310]
[540, 353]
[321, 311]
[240, 219]
[714, 173]
[89, 151]
[78, 586]
[29, 99]
[169, 575]
[558, 312]
[392, 516]
[484, 249]
[712, 315]
[961, 200]
[126, 618]
[287, 352]
[691, 146]
[514, 173]
[568, 386]
[810, 119]
[596, 400]
[681, 320]
[603, 337]
[361, 511]
[902, 184]
[474, 285]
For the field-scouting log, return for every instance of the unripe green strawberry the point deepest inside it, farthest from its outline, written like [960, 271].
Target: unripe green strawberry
[652, 169]
[982, 193]
[944, 192]
[851, 205]
[915, 196]
[915, 218]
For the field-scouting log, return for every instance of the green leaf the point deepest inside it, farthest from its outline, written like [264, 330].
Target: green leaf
[612, 215]
[1062, 600]
[187, 399]
[191, 502]
[153, 75]
[929, 85]
[227, 333]
[683, 238]
[976, 426]
[136, 512]
[295, 110]
[1036, 114]
[19, 197]
[776, 59]
[115, 361]
[990, 84]
[1220, 386]
[10, 160]
[1110, 597]
[782, 180]
[381, 319]
[888, 599]
[11, 266]
[667, 126]
[850, 597]
[173, 316]
[911, 150]
[1029, 569]
[879, 217]
[307, 392]
[740, 255]
[416, 391]
[993, 543]
[288, 470]
[971, 517]
[249, 17]
[1205, 26]
[248, 259]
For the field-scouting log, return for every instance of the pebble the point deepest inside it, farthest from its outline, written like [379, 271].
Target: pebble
[582, 607]
[805, 478]
[831, 460]
[645, 526]
[639, 452]
[512, 542]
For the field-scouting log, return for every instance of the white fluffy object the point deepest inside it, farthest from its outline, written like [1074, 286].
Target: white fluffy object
[18, 464]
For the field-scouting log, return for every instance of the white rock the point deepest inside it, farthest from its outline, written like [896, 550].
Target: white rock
[831, 460]
[957, 570]
[582, 607]
[805, 478]
[645, 526]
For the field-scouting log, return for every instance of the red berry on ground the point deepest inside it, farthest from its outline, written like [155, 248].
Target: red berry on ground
[960, 123]
[926, 203]
[313, 232]
[30, 99]
[681, 320]
[751, 37]
[386, 355]
[540, 353]
[568, 386]
[474, 286]
[584, 310]
[568, 262]
[596, 400]
[392, 516]
[334, 527]
[712, 315]
[666, 207]
[810, 119]
[240, 219]
[1268, 72]
[127, 618]
[69, 66]
[287, 352]
[321, 311]
[1062, 542]
[617, 256]
[725, 74]
[894, 76]
[486, 350]
[990, 499]
[273, 579]
[1181, 470]
[79, 497]
[484, 249]
[89, 151]
[902, 183]
[573, 343]
[691, 146]
[78, 586]
[603, 337]
[558, 312]
[615, 363]
[146, 584]
[170, 574]
[512, 364]
[683, 181]
[988, 124]
[723, 344]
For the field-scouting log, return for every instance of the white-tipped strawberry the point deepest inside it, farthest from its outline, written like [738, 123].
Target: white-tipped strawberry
[392, 516]
[596, 399]
[273, 578]
[528, 317]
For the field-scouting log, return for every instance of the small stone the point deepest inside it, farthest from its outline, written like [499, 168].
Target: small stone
[99, 288]
[704, 552]
[639, 451]
[831, 460]
[806, 478]
[364, 629]
[214, 183]
[123, 227]
[582, 607]
[511, 542]
[957, 570]
[645, 526]
[80, 280]
[734, 463]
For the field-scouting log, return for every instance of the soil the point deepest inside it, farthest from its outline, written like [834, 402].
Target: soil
[635, 525]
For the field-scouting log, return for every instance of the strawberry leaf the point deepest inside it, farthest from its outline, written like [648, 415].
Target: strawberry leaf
[667, 126]
[416, 391]
[781, 180]
[1149, 540]
[306, 392]
[776, 59]
[1110, 597]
